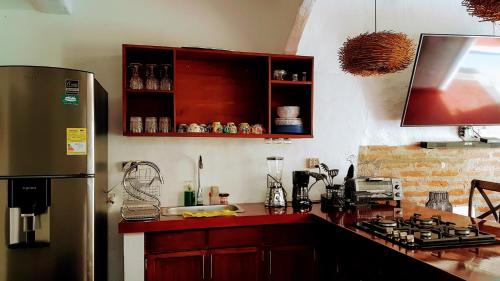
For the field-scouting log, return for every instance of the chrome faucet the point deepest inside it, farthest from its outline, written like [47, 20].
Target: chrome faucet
[199, 194]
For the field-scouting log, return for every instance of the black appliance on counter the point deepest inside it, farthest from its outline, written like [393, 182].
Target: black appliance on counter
[425, 233]
[370, 190]
[300, 192]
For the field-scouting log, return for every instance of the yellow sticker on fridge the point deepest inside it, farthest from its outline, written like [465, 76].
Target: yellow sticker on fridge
[76, 141]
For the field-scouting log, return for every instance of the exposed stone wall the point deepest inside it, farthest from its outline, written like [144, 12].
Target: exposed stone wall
[424, 170]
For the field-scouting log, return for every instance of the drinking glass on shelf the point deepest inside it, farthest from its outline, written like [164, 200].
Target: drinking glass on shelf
[164, 125]
[151, 125]
[152, 82]
[136, 125]
[136, 82]
[166, 81]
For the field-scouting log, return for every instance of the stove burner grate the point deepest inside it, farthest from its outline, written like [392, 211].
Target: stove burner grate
[417, 233]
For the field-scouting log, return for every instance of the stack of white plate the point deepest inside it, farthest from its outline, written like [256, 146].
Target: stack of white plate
[288, 121]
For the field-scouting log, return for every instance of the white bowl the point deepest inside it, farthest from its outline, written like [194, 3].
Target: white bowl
[288, 121]
[288, 111]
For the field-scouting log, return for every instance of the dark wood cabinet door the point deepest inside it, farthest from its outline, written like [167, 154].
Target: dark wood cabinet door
[291, 263]
[242, 264]
[181, 266]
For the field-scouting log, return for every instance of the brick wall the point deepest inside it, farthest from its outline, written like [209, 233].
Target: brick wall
[424, 170]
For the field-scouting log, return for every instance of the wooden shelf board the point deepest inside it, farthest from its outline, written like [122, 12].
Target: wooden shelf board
[287, 82]
[458, 144]
[219, 135]
[144, 91]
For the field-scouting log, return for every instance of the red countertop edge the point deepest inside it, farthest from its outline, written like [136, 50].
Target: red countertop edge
[473, 263]
[216, 222]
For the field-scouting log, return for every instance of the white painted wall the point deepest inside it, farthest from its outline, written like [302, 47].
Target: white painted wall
[350, 111]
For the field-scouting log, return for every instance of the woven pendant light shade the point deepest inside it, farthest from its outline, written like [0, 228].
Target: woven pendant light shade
[487, 10]
[376, 53]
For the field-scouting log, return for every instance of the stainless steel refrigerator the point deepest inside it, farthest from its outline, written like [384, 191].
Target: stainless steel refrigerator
[53, 175]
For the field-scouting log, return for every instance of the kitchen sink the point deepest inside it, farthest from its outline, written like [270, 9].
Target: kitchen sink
[178, 211]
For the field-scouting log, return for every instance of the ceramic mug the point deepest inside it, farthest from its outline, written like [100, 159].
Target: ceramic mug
[182, 128]
[194, 128]
[230, 128]
[244, 128]
[257, 129]
[217, 127]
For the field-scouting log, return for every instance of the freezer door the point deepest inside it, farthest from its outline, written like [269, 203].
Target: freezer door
[69, 255]
[37, 106]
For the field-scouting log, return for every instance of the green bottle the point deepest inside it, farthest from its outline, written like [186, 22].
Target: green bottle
[189, 196]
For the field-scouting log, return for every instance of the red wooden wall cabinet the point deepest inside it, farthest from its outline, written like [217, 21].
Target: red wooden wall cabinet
[217, 85]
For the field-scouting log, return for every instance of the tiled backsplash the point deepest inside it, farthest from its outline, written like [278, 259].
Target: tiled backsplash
[424, 170]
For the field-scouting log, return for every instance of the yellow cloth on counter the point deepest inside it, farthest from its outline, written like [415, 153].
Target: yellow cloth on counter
[224, 213]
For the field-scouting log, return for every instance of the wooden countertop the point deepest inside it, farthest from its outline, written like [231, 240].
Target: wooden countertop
[473, 263]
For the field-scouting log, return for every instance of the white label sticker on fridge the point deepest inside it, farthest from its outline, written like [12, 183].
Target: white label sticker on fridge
[72, 86]
[76, 141]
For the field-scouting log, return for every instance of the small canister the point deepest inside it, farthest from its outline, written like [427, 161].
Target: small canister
[182, 128]
[194, 128]
[230, 128]
[304, 76]
[217, 127]
[244, 128]
[151, 125]
[136, 124]
[203, 128]
[164, 124]
[257, 129]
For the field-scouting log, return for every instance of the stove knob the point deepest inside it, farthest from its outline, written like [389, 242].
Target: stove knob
[410, 238]
[397, 194]
[396, 186]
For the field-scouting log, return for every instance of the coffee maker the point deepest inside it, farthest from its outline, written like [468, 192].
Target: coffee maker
[276, 194]
[300, 192]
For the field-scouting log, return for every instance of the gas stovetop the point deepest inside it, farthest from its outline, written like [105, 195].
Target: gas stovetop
[425, 233]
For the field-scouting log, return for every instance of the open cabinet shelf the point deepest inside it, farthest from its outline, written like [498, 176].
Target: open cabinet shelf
[218, 86]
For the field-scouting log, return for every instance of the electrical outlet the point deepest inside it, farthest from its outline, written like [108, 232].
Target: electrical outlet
[312, 162]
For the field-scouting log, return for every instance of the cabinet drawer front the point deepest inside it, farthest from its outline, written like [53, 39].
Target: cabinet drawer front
[175, 241]
[235, 237]
[288, 234]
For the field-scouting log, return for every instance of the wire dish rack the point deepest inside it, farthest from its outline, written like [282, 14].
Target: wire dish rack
[142, 182]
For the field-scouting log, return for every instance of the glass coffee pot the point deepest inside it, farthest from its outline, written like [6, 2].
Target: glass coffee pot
[300, 191]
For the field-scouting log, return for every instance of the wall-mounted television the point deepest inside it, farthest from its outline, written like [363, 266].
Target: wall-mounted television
[455, 81]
